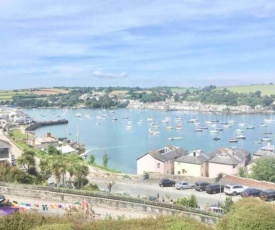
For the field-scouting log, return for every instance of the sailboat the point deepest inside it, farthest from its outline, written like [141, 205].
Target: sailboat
[179, 125]
[169, 126]
[153, 131]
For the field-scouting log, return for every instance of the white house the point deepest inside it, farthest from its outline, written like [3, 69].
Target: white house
[5, 151]
[159, 161]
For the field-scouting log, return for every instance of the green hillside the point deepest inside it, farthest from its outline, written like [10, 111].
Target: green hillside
[265, 89]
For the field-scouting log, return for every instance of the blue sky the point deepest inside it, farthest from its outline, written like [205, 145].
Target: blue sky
[136, 43]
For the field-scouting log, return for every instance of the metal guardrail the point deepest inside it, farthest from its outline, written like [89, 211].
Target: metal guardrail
[110, 197]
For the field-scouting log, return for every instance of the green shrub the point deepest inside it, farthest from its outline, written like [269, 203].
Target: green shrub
[249, 214]
[54, 227]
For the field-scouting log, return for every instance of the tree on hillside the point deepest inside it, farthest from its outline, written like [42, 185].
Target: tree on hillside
[12, 174]
[80, 172]
[92, 159]
[264, 169]
[27, 160]
[105, 159]
[52, 150]
[249, 214]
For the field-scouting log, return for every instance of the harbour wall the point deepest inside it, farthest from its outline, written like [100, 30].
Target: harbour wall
[39, 124]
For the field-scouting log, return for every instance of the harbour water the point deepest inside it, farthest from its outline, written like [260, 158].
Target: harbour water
[125, 135]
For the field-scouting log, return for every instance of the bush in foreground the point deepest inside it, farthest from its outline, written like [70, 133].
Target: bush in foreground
[34, 221]
[249, 214]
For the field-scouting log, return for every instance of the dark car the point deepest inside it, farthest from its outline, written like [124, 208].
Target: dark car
[254, 192]
[201, 185]
[167, 183]
[268, 195]
[214, 188]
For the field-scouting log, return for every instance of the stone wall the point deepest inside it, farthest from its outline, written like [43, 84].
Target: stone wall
[248, 182]
[103, 202]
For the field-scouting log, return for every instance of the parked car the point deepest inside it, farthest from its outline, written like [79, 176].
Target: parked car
[201, 185]
[268, 195]
[254, 192]
[184, 185]
[234, 189]
[214, 188]
[167, 183]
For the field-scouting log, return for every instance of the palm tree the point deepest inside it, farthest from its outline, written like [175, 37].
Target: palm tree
[81, 170]
[56, 169]
[45, 167]
[27, 160]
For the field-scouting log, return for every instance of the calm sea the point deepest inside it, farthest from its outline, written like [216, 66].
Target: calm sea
[124, 134]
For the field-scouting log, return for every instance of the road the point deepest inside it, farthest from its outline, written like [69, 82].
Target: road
[143, 188]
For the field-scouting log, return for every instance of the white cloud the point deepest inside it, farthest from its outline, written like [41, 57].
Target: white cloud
[109, 75]
[70, 39]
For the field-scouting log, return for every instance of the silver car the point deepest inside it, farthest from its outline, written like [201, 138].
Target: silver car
[234, 189]
[184, 185]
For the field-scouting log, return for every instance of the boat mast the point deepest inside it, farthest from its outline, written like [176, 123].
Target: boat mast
[77, 135]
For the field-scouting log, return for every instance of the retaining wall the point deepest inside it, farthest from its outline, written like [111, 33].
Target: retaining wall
[104, 202]
[248, 182]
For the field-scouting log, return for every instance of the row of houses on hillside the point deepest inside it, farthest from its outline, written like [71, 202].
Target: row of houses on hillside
[14, 117]
[176, 161]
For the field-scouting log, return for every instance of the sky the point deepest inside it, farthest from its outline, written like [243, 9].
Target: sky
[94, 43]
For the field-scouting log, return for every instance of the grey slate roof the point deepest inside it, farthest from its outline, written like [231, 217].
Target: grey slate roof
[265, 150]
[171, 154]
[229, 156]
[4, 144]
[200, 159]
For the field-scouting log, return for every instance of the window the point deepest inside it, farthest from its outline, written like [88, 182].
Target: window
[4, 151]
[158, 165]
[178, 172]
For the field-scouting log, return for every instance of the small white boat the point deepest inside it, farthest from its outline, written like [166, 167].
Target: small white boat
[242, 124]
[153, 132]
[213, 131]
[238, 130]
[266, 139]
[174, 138]
[198, 130]
[241, 137]
[233, 140]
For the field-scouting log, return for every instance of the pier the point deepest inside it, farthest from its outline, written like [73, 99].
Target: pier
[39, 124]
